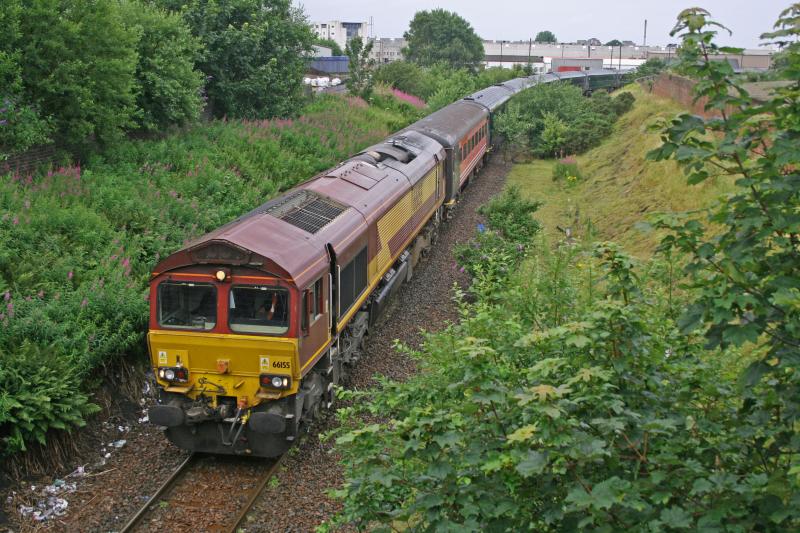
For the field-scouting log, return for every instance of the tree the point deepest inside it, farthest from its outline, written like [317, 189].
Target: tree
[614, 42]
[168, 86]
[254, 56]
[744, 253]
[407, 77]
[336, 50]
[20, 125]
[512, 126]
[78, 65]
[359, 78]
[651, 67]
[458, 85]
[545, 37]
[443, 36]
[554, 133]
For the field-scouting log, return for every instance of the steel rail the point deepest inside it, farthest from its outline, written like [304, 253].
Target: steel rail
[135, 519]
[256, 492]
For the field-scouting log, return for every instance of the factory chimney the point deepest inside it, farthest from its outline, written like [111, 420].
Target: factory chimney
[645, 33]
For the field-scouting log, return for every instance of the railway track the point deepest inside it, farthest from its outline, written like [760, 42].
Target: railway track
[205, 493]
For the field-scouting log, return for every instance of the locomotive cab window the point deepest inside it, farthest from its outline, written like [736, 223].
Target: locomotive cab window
[353, 280]
[258, 309]
[313, 304]
[184, 305]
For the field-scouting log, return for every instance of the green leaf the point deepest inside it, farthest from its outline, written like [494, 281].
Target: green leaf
[676, 517]
[533, 463]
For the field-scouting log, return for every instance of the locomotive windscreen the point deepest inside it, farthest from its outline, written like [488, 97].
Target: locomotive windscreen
[258, 309]
[187, 305]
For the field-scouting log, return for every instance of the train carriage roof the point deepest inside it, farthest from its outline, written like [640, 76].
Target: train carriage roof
[564, 76]
[548, 78]
[451, 123]
[492, 97]
[520, 84]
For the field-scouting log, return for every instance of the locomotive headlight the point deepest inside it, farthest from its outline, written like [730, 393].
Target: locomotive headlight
[221, 275]
[179, 374]
[272, 381]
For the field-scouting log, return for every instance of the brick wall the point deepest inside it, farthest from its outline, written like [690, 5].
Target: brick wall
[679, 89]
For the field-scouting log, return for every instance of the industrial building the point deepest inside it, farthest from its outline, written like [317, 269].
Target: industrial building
[341, 32]
[569, 64]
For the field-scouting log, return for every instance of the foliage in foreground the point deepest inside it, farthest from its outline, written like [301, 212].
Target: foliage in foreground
[77, 244]
[588, 392]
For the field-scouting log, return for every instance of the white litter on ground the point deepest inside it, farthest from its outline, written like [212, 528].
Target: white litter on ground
[50, 504]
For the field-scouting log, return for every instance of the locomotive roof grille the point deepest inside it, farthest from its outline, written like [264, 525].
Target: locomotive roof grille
[306, 210]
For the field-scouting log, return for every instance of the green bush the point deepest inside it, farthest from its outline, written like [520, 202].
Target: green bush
[254, 54]
[556, 119]
[501, 244]
[78, 65]
[168, 88]
[651, 67]
[623, 102]
[21, 127]
[39, 391]
[407, 77]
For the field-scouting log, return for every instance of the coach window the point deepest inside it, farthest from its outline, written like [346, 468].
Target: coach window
[258, 309]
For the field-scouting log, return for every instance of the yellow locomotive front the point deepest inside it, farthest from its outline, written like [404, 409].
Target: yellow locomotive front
[225, 342]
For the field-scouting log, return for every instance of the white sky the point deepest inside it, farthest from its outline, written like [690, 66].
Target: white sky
[570, 20]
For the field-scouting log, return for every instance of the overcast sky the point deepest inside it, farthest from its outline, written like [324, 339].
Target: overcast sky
[570, 20]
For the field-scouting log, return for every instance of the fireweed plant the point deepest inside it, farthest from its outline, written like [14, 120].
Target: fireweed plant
[586, 391]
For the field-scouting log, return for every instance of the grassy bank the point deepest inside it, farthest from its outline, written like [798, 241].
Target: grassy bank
[619, 188]
[77, 244]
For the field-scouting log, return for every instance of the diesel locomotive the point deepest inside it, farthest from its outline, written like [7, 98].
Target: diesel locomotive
[254, 324]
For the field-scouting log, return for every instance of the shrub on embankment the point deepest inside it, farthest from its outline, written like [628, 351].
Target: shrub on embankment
[77, 244]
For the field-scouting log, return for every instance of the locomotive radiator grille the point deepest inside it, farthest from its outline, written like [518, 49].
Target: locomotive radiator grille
[307, 210]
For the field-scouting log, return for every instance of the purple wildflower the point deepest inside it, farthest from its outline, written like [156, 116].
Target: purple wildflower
[69, 276]
[462, 269]
[85, 302]
[7, 295]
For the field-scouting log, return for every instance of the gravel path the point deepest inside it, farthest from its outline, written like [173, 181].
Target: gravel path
[298, 501]
[113, 488]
